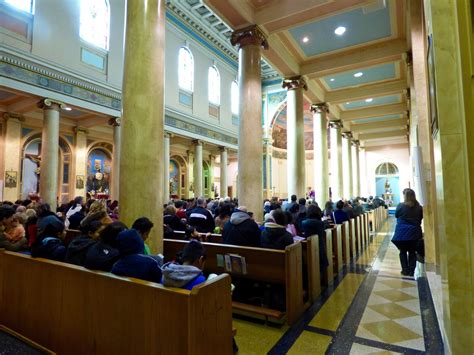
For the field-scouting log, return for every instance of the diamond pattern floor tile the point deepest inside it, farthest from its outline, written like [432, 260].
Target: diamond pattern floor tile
[390, 331]
[392, 311]
[395, 295]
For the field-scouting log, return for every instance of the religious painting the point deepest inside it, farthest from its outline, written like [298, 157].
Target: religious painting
[432, 88]
[99, 166]
[11, 179]
[31, 168]
[174, 178]
[79, 182]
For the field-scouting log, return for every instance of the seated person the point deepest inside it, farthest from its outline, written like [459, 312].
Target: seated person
[15, 232]
[103, 254]
[200, 218]
[313, 225]
[241, 229]
[290, 227]
[189, 274]
[275, 236]
[143, 226]
[91, 226]
[49, 242]
[133, 263]
[77, 206]
[6, 219]
[172, 220]
[339, 215]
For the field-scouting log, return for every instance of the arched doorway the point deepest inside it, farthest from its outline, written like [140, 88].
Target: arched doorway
[178, 176]
[206, 174]
[99, 168]
[387, 182]
[31, 168]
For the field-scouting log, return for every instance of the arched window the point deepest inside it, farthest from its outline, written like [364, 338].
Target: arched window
[185, 69]
[23, 5]
[214, 86]
[95, 22]
[234, 98]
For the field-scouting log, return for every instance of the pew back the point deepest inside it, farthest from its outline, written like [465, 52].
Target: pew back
[310, 248]
[72, 310]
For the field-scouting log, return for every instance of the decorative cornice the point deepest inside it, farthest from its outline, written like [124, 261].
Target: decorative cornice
[51, 104]
[296, 82]
[251, 35]
[347, 135]
[197, 142]
[335, 124]
[356, 142]
[13, 116]
[115, 121]
[320, 108]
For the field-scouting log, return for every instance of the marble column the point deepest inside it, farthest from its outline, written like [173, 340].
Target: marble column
[141, 169]
[115, 183]
[347, 164]
[190, 174]
[223, 168]
[198, 178]
[250, 183]
[81, 160]
[166, 168]
[296, 159]
[320, 153]
[212, 164]
[50, 151]
[364, 189]
[356, 167]
[12, 154]
[267, 166]
[337, 184]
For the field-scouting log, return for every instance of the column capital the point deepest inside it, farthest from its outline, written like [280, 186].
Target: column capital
[347, 135]
[320, 108]
[79, 129]
[51, 104]
[335, 124]
[408, 58]
[115, 121]
[13, 116]
[212, 157]
[251, 35]
[356, 143]
[222, 149]
[168, 135]
[296, 82]
[197, 142]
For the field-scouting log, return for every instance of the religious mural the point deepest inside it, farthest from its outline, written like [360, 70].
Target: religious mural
[279, 131]
[99, 165]
[174, 178]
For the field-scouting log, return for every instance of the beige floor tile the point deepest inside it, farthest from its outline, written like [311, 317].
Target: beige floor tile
[394, 295]
[393, 310]
[371, 316]
[390, 331]
[359, 349]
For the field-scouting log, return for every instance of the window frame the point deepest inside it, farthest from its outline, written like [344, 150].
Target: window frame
[216, 70]
[86, 41]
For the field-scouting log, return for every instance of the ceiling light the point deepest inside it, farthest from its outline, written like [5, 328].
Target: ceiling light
[305, 39]
[332, 79]
[369, 100]
[68, 109]
[340, 30]
[358, 74]
[347, 103]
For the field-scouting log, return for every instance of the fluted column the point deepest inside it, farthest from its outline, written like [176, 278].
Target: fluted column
[223, 168]
[295, 136]
[347, 164]
[115, 179]
[81, 161]
[320, 149]
[141, 165]
[198, 189]
[12, 157]
[166, 168]
[356, 167]
[50, 151]
[337, 184]
[267, 166]
[250, 41]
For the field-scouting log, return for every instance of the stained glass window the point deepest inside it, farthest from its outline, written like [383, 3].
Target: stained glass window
[234, 98]
[95, 22]
[23, 5]
[185, 69]
[214, 85]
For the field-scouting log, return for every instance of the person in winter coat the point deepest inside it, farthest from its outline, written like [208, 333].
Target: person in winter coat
[189, 274]
[49, 242]
[409, 214]
[104, 254]
[77, 206]
[313, 225]
[133, 263]
[241, 229]
[200, 218]
[172, 220]
[275, 236]
[7, 214]
[339, 215]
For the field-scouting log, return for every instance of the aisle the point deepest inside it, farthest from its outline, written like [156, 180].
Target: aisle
[371, 309]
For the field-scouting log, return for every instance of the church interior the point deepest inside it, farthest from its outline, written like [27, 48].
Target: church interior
[143, 103]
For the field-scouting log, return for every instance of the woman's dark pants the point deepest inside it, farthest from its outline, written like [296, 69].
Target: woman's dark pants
[407, 255]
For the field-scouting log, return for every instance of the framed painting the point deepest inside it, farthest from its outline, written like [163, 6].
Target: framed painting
[11, 179]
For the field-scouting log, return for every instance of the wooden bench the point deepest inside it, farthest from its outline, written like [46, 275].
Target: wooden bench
[337, 248]
[346, 242]
[70, 235]
[311, 266]
[72, 310]
[328, 274]
[269, 266]
[205, 237]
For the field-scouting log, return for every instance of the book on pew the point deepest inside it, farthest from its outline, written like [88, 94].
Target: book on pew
[235, 263]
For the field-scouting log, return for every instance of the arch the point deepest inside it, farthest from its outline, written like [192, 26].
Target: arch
[185, 69]
[234, 98]
[214, 85]
[183, 176]
[386, 169]
[277, 113]
[387, 182]
[99, 169]
[94, 27]
[23, 5]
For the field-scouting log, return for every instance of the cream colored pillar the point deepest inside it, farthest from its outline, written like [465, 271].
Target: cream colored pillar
[166, 168]
[212, 164]
[364, 188]
[141, 168]
[81, 161]
[12, 145]
[356, 167]
[337, 184]
[267, 167]
[198, 188]
[115, 178]
[223, 170]
[249, 185]
[295, 136]
[347, 164]
[50, 151]
[320, 153]
[190, 190]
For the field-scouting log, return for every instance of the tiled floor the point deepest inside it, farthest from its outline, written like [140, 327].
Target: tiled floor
[375, 311]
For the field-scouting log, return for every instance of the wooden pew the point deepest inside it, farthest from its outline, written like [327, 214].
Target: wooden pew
[356, 235]
[282, 267]
[311, 266]
[337, 248]
[346, 243]
[72, 310]
[70, 235]
[328, 274]
[211, 238]
[353, 236]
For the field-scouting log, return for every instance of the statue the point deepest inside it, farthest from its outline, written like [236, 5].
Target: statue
[388, 190]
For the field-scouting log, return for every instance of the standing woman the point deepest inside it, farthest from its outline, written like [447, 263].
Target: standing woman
[409, 214]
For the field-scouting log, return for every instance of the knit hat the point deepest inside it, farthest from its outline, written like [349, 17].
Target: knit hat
[50, 225]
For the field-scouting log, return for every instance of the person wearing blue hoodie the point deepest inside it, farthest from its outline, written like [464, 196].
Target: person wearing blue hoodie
[133, 263]
[189, 274]
[49, 243]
